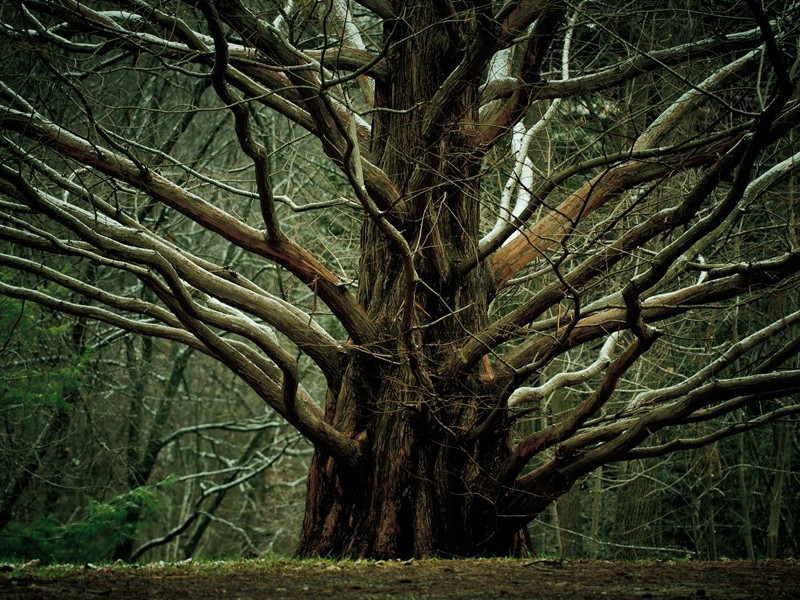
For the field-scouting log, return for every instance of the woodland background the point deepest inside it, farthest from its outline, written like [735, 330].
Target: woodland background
[126, 436]
[114, 445]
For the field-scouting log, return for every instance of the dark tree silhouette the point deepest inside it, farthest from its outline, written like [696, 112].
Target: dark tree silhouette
[540, 186]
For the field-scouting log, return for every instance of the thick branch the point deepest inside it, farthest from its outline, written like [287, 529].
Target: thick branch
[541, 440]
[287, 254]
[625, 70]
[682, 444]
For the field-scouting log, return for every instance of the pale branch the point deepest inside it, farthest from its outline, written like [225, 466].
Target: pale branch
[106, 316]
[754, 144]
[499, 65]
[561, 380]
[198, 318]
[72, 187]
[731, 354]
[609, 427]
[283, 13]
[786, 168]
[302, 412]
[236, 426]
[512, 324]
[727, 407]
[214, 280]
[12, 206]
[287, 254]
[778, 384]
[710, 272]
[576, 417]
[754, 189]
[350, 39]
[690, 101]
[51, 36]
[266, 306]
[559, 223]
[698, 442]
[622, 171]
[627, 69]
[586, 451]
[667, 257]
[50, 243]
[654, 309]
[125, 303]
[26, 235]
[544, 30]
[15, 99]
[521, 178]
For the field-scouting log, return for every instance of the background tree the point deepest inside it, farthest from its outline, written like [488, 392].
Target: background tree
[103, 462]
[489, 206]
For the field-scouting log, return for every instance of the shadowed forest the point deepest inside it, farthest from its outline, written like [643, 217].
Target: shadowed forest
[391, 280]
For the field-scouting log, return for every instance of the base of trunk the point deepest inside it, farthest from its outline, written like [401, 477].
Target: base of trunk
[406, 515]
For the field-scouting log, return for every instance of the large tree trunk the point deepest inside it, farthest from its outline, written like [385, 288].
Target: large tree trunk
[425, 490]
[422, 494]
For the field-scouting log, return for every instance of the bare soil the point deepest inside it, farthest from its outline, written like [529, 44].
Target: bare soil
[449, 579]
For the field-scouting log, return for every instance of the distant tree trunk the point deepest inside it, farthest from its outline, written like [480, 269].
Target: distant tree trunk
[711, 525]
[744, 500]
[634, 515]
[16, 482]
[568, 506]
[597, 507]
[782, 439]
[741, 470]
[204, 521]
[569, 518]
[142, 461]
[555, 523]
[135, 477]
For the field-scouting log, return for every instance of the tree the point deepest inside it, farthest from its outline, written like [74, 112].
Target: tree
[632, 145]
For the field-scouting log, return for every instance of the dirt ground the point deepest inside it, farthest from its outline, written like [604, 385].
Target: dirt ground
[449, 579]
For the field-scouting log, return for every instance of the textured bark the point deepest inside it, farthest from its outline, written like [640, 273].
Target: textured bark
[425, 489]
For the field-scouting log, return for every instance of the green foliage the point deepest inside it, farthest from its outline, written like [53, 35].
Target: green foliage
[49, 384]
[92, 539]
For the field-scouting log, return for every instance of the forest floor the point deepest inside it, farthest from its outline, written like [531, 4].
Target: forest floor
[448, 579]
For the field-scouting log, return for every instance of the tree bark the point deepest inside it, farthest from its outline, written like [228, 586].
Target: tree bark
[425, 488]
